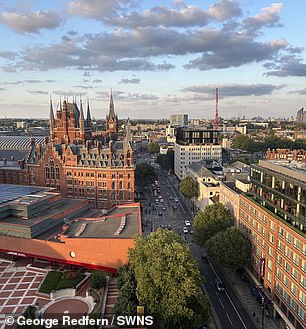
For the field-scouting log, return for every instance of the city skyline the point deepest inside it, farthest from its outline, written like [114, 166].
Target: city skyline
[158, 58]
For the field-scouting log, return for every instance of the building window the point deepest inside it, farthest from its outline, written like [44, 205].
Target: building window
[301, 313]
[113, 185]
[47, 172]
[57, 175]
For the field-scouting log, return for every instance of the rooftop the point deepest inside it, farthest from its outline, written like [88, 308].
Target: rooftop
[120, 222]
[9, 192]
[294, 169]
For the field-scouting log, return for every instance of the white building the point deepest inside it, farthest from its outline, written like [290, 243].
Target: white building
[184, 155]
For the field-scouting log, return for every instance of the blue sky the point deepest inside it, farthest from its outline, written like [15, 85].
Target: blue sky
[158, 57]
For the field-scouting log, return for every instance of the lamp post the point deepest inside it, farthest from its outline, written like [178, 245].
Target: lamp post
[263, 312]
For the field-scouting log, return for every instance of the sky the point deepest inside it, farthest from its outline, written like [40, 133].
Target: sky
[158, 57]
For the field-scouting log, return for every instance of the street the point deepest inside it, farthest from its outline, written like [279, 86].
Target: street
[166, 206]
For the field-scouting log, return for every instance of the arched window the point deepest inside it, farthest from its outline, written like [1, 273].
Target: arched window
[47, 172]
[51, 163]
[57, 174]
[113, 185]
[120, 185]
[113, 196]
[129, 186]
[120, 195]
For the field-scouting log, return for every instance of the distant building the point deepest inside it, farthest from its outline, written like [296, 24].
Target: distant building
[301, 116]
[197, 136]
[184, 155]
[179, 120]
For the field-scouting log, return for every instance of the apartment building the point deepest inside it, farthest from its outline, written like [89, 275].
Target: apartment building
[273, 216]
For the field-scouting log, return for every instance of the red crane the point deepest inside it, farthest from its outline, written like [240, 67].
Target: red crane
[217, 114]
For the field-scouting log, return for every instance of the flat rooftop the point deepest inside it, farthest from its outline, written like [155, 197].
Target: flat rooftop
[294, 169]
[9, 192]
[121, 222]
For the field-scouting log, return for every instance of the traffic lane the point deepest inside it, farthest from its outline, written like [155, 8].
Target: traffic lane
[223, 305]
[232, 297]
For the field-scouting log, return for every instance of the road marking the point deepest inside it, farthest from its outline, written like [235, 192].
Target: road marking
[229, 298]
[229, 319]
[221, 303]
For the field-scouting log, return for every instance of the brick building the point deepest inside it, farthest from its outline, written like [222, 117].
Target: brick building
[75, 163]
[273, 216]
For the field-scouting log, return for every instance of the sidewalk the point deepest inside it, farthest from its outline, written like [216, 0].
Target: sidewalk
[242, 290]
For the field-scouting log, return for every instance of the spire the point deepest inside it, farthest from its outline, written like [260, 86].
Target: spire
[111, 107]
[51, 117]
[88, 112]
[81, 112]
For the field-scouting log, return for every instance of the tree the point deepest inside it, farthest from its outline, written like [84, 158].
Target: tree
[214, 219]
[189, 187]
[166, 161]
[230, 248]
[153, 147]
[168, 280]
[144, 174]
[127, 299]
[98, 279]
[241, 142]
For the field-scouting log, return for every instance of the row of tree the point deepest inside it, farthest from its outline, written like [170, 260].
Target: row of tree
[247, 143]
[215, 231]
[163, 276]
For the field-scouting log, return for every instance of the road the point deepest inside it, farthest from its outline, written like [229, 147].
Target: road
[230, 312]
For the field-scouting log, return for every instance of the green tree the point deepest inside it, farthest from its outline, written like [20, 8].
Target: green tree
[153, 147]
[230, 248]
[189, 187]
[127, 299]
[241, 142]
[166, 161]
[214, 219]
[168, 280]
[98, 279]
[144, 174]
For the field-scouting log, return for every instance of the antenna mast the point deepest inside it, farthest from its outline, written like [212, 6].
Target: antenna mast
[217, 114]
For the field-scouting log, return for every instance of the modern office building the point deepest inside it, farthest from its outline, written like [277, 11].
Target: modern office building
[77, 165]
[273, 216]
[179, 120]
[37, 223]
[301, 116]
[184, 155]
[197, 136]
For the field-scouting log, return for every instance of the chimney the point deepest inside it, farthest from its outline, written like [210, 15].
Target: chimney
[12, 158]
[21, 164]
[99, 147]
[32, 141]
[4, 161]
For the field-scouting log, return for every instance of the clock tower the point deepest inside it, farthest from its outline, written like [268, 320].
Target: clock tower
[112, 120]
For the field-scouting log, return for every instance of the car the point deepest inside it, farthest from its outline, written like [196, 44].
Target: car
[187, 223]
[171, 197]
[164, 208]
[176, 199]
[168, 186]
[174, 206]
[204, 259]
[153, 207]
[191, 231]
[160, 213]
[219, 284]
[161, 200]
[185, 230]
[169, 227]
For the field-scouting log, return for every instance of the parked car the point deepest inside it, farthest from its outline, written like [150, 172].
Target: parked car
[185, 230]
[219, 284]
[164, 208]
[187, 223]
[176, 199]
[160, 213]
[204, 258]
